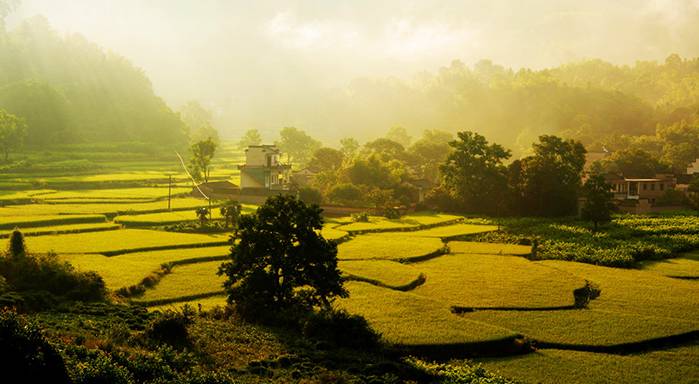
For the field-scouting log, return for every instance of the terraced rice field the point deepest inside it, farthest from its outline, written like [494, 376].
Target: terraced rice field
[67, 228]
[163, 218]
[387, 246]
[101, 208]
[128, 269]
[473, 280]
[142, 193]
[187, 280]
[405, 318]
[115, 241]
[27, 221]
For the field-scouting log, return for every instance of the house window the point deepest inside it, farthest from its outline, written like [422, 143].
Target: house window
[662, 186]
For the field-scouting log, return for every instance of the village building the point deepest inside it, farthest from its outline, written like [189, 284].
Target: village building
[263, 171]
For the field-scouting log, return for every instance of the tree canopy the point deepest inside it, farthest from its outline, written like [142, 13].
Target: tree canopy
[281, 260]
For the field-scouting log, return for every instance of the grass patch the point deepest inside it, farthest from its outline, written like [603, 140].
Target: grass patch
[679, 267]
[115, 241]
[387, 246]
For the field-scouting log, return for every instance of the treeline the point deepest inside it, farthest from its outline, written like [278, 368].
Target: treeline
[590, 101]
[68, 90]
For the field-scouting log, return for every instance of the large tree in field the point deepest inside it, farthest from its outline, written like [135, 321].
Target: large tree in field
[297, 144]
[474, 173]
[202, 153]
[598, 204]
[550, 179]
[281, 260]
[12, 132]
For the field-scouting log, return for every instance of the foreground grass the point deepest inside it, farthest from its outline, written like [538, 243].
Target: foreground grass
[676, 365]
[111, 241]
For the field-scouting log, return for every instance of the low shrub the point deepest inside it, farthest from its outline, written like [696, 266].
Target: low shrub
[310, 195]
[170, 327]
[26, 354]
[360, 217]
[341, 329]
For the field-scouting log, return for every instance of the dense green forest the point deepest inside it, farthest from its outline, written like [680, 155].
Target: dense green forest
[69, 90]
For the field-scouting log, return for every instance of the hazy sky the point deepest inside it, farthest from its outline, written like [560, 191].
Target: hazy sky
[228, 52]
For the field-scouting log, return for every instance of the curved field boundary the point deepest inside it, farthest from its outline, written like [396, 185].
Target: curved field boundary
[160, 248]
[507, 346]
[171, 300]
[64, 231]
[416, 259]
[626, 348]
[582, 297]
[683, 277]
[417, 227]
[408, 260]
[403, 288]
[154, 277]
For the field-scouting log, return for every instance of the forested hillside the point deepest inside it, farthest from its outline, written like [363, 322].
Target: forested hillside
[69, 90]
[592, 101]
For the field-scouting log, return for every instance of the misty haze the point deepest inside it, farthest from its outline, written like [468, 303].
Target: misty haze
[341, 191]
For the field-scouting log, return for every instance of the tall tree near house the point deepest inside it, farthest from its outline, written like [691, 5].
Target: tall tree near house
[281, 260]
[550, 179]
[598, 205]
[12, 132]
[202, 153]
[297, 144]
[251, 137]
[474, 173]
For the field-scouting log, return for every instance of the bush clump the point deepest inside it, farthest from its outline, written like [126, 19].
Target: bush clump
[26, 354]
[341, 329]
[170, 327]
[42, 276]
